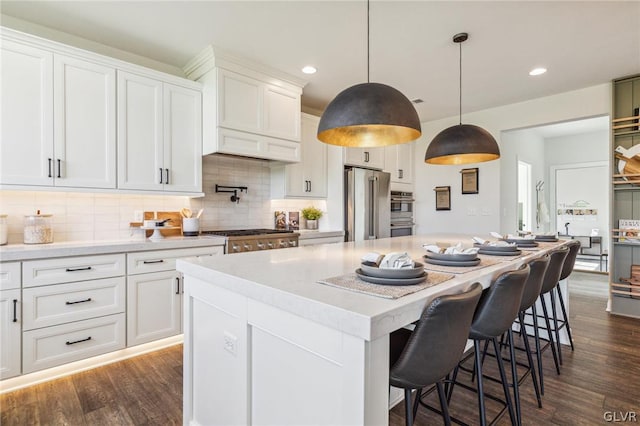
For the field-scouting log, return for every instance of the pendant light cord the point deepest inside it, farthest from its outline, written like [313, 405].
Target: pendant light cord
[460, 87]
[368, 53]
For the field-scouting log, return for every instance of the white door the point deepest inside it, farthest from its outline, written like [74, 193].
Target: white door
[84, 124]
[314, 158]
[182, 139]
[281, 113]
[154, 306]
[26, 147]
[10, 344]
[239, 102]
[140, 133]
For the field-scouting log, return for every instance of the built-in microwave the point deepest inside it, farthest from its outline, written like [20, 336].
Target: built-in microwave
[401, 213]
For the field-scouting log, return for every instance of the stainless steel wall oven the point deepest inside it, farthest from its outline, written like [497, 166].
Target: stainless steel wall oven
[401, 213]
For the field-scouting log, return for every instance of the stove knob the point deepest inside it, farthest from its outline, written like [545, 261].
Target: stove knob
[235, 248]
[270, 245]
[260, 246]
[292, 243]
[247, 247]
[283, 244]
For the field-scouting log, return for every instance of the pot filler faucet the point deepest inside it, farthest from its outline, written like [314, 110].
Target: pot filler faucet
[232, 190]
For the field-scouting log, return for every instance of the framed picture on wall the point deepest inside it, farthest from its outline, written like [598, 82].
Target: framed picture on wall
[443, 197]
[469, 181]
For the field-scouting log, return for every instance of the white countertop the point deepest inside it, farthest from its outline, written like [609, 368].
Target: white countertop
[17, 252]
[287, 279]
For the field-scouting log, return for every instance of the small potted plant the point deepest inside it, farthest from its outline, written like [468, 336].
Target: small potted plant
[311, 214]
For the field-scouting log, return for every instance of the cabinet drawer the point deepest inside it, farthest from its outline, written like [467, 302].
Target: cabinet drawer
[63, 303]
[71, 269]
[60, 344]
[9, 275]
[165, 260]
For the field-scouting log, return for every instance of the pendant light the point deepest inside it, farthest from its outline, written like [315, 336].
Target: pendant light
[462, 143]
[369, 115]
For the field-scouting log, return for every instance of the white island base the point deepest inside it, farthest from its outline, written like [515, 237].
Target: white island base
[265, 344]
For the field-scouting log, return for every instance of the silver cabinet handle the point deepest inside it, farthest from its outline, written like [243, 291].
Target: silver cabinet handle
[177, 285]
[166, 179]
[50, 175]
[148, 262]
[59, 168]
[15, 310]
[160, 174]
[309, 186]
[366, 156]
[400, 173]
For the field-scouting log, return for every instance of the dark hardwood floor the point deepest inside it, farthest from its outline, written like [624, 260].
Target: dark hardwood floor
[603, 374]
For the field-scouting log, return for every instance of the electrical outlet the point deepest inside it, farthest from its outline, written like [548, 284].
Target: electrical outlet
[138, 216]
[230, 343]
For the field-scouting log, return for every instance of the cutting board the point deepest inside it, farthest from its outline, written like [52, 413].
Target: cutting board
[176, 220]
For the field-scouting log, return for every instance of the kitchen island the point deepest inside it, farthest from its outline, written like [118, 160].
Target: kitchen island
[265, 343]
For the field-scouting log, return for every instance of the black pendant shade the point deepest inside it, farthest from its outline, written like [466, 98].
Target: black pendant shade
[462, 144]
[369, 115]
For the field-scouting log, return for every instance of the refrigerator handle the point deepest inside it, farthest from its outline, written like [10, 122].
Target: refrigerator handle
[373, 207]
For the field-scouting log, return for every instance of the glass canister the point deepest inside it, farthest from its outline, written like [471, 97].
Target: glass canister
[4, 231]
[38, 228]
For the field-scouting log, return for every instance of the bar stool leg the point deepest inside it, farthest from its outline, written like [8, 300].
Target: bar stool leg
[478, 362]
[514, 376]
[443, 404]
[532, 368]
[505, 383]
[564, 315]
[549, 332]
[536, 333]
[554, 309]
[408, 410]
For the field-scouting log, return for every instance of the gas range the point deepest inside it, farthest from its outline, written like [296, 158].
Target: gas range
[243, 240]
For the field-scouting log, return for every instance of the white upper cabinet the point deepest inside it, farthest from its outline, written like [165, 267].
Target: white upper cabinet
[140, 133]
[84, 124]
[26, 148]
[399, 162]
[371, 158]
[159, 136]
[59, 127]
[249, 109]
[58, 120]
[183, 138]
[307, 179]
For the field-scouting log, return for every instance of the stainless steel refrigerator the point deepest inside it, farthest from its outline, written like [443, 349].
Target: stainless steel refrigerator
[367, 204]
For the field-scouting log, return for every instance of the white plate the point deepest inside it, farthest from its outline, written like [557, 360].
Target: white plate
[391, 281]
[374, 271]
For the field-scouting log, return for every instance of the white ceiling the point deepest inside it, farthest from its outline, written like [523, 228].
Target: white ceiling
[582, 43]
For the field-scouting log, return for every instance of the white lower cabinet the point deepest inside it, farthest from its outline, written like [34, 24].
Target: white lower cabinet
[10, 333]
[154, 306]
[50, 346]
[154, 293]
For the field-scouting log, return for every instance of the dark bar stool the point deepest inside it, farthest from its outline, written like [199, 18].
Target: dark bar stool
[551, 278]
[425, 356]
[567, 269]
[494, 316]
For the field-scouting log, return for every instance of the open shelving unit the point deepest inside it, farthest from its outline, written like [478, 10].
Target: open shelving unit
[625, 198]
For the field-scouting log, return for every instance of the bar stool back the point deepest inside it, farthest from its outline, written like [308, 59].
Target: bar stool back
[567, 269]
[434, 347]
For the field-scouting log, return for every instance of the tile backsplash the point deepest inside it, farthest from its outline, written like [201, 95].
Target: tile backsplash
[79, 216]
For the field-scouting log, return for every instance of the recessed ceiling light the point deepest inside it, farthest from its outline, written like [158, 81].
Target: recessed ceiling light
[309, 69]
[537, 71]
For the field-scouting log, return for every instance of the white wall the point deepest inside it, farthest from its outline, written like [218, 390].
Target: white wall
[492, 203]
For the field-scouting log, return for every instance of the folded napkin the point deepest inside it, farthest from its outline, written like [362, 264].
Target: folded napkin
[496, 235]
[518, 237]
[486, 243]
[373, 257]
[396, 260]
[457, 249]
